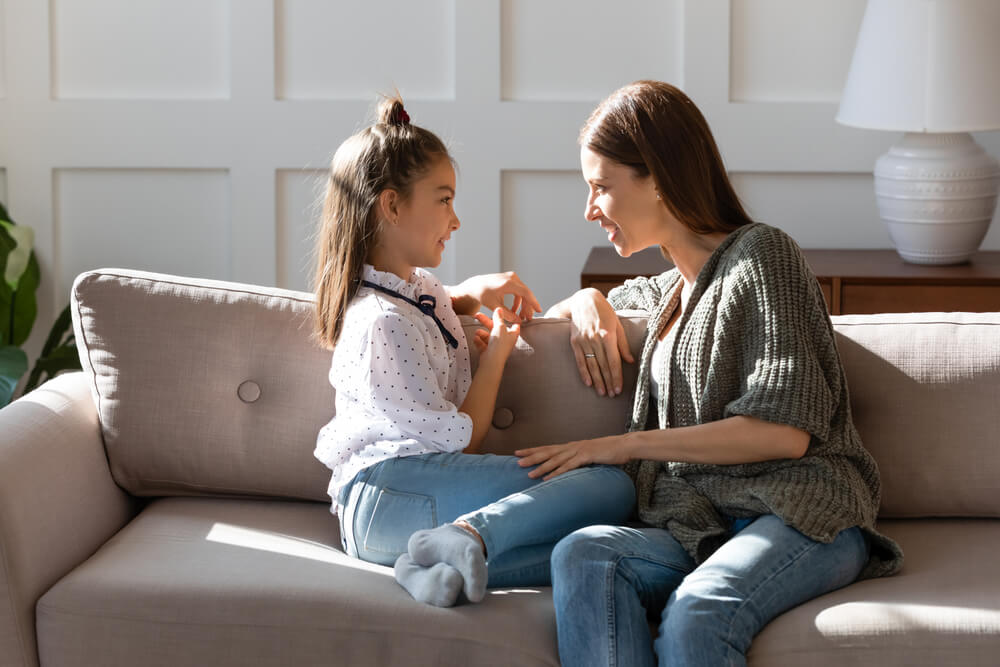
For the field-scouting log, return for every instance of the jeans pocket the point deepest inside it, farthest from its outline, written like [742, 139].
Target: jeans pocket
[396, 516]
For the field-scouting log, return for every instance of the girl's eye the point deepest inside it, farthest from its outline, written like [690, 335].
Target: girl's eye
[446, 200]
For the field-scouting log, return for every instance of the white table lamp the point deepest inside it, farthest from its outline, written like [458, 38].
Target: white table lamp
[931, 69]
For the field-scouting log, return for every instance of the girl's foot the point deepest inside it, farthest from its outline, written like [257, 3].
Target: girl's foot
[438, 585]
[458, 548]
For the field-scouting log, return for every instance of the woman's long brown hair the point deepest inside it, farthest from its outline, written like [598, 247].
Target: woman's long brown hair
[654, 128]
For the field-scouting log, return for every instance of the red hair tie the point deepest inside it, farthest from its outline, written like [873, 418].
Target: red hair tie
[401, 117]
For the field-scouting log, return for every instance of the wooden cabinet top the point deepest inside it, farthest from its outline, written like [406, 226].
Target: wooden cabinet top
[871, 266]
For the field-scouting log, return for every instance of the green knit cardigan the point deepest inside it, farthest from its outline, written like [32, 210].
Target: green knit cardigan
[756, 340]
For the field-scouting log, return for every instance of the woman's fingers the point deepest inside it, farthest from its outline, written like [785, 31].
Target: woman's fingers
[623, 347]
[581, 361]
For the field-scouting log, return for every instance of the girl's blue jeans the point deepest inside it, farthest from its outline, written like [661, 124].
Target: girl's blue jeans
[519, 519]
[611, 582]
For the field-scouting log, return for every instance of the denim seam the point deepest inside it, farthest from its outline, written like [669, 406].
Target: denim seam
[610, 574]
[791, 561]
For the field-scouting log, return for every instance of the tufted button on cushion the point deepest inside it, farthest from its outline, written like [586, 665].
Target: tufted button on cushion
[248, 391]
[503, 418]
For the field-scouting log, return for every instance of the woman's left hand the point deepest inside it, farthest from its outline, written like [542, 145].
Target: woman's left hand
[490, 290]
[553, 460]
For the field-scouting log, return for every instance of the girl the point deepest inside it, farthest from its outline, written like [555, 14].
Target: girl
[407, 483]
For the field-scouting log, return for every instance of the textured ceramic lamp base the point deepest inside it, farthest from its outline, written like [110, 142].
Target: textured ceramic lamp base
[937, 194]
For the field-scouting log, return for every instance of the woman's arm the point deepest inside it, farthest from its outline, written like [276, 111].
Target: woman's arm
[738, 439]
[481, 400]
[597, 332]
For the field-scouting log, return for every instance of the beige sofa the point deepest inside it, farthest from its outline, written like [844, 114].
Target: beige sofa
[163, 507]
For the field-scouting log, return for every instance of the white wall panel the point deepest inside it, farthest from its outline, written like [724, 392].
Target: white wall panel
[553, 50]
[352, 50]
[153, 49]
[3, 53]
[791, 50]
[299, 202]
[167, 220]
[819, 210]
[545, 236]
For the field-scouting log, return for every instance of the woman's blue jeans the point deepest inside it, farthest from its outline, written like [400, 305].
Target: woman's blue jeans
[610, 582]
[520, 519]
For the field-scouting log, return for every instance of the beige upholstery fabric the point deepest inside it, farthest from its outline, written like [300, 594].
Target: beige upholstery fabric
[940, 610]
[925, 390]
[177, 362]
[58, 503]
[196, 581]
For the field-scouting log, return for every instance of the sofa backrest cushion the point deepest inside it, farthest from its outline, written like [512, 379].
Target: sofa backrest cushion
[925, 395]
[207, 387]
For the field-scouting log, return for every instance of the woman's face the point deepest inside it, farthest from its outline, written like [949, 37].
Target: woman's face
[625, 206]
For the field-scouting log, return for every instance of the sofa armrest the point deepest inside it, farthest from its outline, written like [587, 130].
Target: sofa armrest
[58, 503]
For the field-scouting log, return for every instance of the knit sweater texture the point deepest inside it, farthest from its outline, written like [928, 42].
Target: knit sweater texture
[755, 339]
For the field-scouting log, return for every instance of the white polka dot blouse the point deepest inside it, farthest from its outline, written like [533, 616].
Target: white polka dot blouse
[398, 382]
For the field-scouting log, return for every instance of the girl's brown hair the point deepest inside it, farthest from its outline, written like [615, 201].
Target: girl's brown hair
[389, 155]
[654, 128]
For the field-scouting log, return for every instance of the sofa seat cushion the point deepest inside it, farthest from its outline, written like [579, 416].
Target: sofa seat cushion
[200, 581]
[943, 608]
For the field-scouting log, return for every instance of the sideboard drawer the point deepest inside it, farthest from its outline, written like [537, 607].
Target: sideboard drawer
[863, 299]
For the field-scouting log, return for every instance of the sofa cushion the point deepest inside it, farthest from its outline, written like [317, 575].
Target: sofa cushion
[257, 582]
[203, 386]
[925, 394]
[942, 609]
[206, 387]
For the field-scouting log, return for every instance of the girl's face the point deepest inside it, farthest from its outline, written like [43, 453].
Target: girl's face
[626, 206]
[426, 219]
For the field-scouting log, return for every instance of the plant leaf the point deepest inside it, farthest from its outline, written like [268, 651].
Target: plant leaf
[57, 334]
[6, 319]
[13, 364]
[63, 358]
[18, 258]
[24, 307]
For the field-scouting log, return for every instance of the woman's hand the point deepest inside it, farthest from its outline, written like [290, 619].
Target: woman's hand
[553, 460]
[598, 341]
[490, 290]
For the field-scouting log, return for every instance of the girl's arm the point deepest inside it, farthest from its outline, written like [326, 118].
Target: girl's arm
[733, 440]
[489, 290]
[482, 397]
[596, 330]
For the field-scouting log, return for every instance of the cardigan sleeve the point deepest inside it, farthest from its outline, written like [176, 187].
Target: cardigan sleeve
[789, 366]
[641, 293]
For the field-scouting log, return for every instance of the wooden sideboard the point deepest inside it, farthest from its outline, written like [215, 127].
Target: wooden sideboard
[853, 281]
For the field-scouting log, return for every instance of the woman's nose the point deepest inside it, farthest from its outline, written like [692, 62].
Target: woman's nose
[592, 212]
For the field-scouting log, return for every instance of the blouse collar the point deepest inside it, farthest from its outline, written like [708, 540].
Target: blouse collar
[409, 288]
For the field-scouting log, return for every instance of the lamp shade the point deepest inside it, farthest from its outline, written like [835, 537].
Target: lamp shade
[925, 66]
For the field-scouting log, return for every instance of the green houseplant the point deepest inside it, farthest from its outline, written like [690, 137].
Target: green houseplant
[19, 278]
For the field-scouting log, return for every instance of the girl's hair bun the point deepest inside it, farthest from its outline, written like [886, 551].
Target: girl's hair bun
[391, 112]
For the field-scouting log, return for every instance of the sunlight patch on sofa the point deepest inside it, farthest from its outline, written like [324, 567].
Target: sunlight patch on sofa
[261, 540]
[879, 616]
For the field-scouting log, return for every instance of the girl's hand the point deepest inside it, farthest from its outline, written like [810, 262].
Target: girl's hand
[503, 335]
[490, 290]
[598, 341]
[553, 460]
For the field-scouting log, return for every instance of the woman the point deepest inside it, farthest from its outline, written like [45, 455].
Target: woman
[754, 492]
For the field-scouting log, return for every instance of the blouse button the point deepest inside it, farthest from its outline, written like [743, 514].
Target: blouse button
[503, 418]
[248, 391]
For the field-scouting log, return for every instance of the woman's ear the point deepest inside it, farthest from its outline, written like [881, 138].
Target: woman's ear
[388, 206]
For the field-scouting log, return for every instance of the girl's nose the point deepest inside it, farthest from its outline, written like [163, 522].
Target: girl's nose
[455, 223]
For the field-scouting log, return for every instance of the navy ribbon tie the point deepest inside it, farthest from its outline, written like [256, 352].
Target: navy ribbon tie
[425, 303]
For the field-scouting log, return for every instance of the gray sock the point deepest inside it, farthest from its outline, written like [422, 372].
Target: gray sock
[438, 585]
[456, 547]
